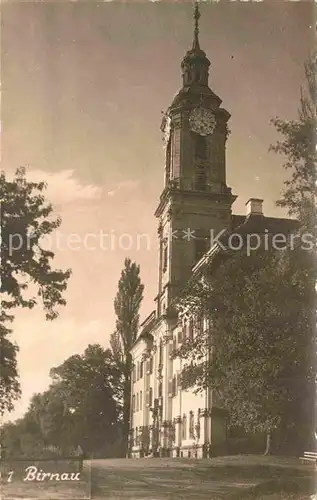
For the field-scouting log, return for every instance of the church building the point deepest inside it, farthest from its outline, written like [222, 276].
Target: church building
[166, 420]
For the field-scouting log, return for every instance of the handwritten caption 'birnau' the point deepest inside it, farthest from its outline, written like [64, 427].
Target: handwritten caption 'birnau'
[33, 474]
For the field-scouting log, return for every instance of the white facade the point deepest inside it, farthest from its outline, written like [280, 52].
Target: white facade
[165, 419]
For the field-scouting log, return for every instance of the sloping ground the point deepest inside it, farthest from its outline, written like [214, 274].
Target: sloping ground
[222, 477]
[233, 478]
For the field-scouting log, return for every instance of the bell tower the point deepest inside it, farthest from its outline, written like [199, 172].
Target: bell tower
[195, 200]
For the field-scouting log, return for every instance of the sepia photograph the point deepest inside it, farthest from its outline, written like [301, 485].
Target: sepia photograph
[158, 250]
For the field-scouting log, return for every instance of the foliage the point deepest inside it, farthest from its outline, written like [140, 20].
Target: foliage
[299, 149]
[25, 220]
[22, 439]
[80, 407]
[127, 305]
[9, 385]
[116, 347]
[90, 388]
[260, 338]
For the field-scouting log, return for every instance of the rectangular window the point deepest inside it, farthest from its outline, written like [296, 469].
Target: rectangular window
[151, 364]
[141, 369]
[180, 336]
[132, 437]
[200, 178]
[170, 349]
[174, 344]
[199, 325]
[174, 386]
[165, 255]
[168, 160]
[184, 425]
[185, 329]
[201, 147]
[150, 396]
[134, 374]
[191, 329]
[176, 153]
[140, 400]
[138, 371]
[161, 353]
[170, 389]
[201, 247]
[160, 390]
[191, 425]
[137, 402]
[133, 404]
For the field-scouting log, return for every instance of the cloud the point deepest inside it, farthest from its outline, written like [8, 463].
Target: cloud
[63, 187]
[124, 187]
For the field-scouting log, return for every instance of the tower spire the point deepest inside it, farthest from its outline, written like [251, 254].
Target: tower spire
[196, 27]
[195, 64]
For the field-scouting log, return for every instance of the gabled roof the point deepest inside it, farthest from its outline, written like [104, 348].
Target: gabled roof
[146, 326]
[255, 223]
[148, 321]
[241, 225]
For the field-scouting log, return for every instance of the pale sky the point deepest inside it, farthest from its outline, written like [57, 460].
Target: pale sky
[83, 87]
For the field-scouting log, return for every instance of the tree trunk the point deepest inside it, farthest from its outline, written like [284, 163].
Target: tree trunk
[268, 443]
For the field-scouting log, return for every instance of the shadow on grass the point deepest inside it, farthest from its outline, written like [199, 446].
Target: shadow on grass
[298, 488]
[249, 472]
[187, 483]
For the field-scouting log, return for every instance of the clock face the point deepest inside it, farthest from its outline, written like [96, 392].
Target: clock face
[202, 121]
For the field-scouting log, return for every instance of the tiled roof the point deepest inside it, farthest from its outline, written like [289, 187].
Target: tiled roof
[259, 223]
[243, 225]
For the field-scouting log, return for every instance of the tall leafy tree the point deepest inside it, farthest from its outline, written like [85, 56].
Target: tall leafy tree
[85, 398]
[25, 218]
[81, 406]
[298, 147]
[127, 305]
[48, 410]
[260, 367]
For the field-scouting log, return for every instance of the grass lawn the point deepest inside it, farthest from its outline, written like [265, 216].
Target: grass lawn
[282, 490]
[239, 477]
[234, 477]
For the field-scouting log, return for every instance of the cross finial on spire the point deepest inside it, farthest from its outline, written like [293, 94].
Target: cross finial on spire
[196, 30]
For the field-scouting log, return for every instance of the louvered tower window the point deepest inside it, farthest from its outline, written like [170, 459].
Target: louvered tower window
[200, 178]
[201, 147]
